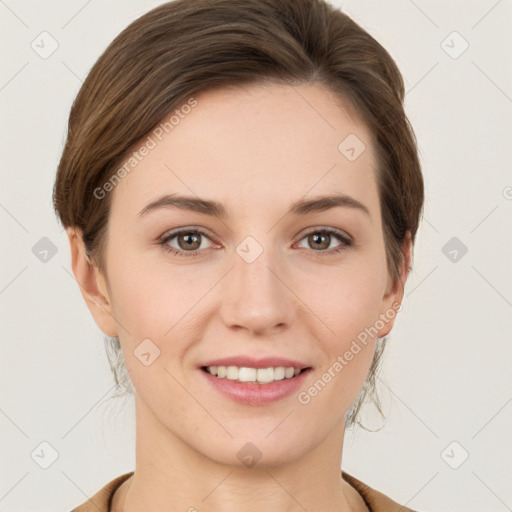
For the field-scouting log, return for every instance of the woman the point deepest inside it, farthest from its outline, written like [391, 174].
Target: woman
[241, 190]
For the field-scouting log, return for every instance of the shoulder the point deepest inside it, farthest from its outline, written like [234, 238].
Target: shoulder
[100, 502]
[375, 500]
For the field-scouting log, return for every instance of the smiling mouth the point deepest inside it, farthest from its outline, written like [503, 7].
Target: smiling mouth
[254, 375]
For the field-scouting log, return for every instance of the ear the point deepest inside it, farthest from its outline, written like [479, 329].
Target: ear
[93, 285]
[393, 297]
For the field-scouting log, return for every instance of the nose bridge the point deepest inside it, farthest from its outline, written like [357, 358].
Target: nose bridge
[257, 298]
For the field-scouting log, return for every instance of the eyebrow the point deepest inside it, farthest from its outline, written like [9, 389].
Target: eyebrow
[216, 209]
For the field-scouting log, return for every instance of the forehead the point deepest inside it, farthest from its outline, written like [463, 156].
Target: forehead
[253, 145]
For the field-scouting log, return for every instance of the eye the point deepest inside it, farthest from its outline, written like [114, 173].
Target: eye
[188, 240]
[320, 239]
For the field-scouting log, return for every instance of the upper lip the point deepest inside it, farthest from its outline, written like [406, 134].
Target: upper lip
[251, 362]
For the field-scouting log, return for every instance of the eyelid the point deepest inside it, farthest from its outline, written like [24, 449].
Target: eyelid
[335, 231]
[171, 233]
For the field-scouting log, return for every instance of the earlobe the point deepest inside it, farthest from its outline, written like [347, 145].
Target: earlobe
[92, 284]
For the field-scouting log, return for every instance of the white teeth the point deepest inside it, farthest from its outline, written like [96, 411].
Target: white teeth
[264, 375]
[245, 374]
[232, 373]
[279, 373]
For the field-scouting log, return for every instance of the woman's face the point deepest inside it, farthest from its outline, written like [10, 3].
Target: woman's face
[263, 280]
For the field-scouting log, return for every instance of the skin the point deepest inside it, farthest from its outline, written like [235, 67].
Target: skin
[256, 150]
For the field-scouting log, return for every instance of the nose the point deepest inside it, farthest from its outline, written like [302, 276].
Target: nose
[256, 296]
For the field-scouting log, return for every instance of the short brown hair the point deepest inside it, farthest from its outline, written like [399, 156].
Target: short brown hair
[185, 47]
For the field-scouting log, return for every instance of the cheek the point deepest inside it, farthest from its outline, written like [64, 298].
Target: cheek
[349, 308]
[156, 302]
[137, 302]
[347, 299]
[348, 303]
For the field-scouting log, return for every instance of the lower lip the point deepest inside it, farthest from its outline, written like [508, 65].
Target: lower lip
[256, 394]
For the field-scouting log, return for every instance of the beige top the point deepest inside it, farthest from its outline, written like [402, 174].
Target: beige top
[375, 500]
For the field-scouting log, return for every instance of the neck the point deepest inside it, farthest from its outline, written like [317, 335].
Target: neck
[172, 475]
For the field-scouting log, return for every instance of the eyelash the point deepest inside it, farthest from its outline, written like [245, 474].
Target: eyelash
[346, 242]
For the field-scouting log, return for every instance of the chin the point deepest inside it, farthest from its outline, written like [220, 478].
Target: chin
[255, 451]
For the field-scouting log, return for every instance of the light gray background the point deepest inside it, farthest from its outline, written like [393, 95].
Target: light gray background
[446, 375]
